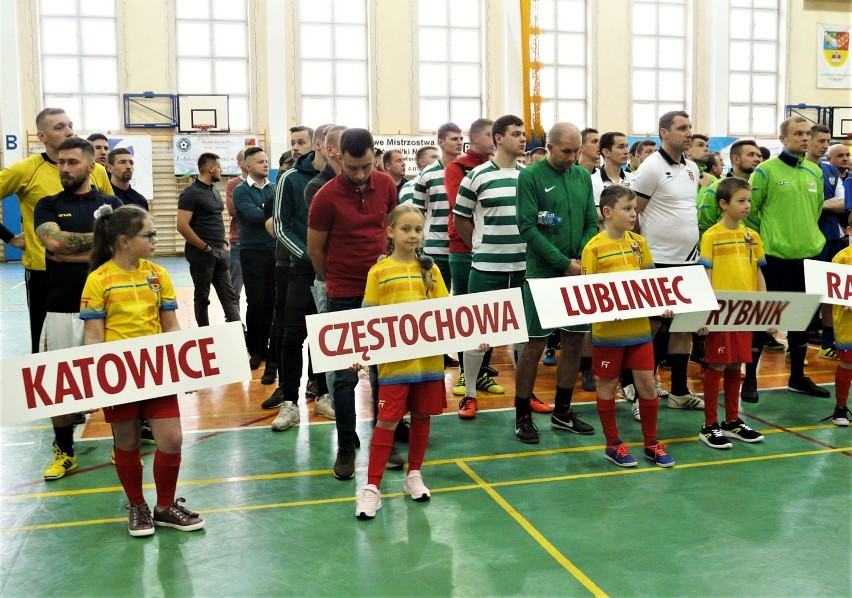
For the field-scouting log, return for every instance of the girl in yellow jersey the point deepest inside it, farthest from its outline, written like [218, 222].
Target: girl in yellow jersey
[127, 296]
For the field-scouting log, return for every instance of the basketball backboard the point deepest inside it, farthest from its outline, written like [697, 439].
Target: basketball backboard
[194, 110]
[841, 122]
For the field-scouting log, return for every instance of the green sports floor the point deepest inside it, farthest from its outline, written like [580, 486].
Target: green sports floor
[553, 519]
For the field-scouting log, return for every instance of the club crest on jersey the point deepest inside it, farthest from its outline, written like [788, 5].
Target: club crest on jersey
[153, 282]
[691, 176]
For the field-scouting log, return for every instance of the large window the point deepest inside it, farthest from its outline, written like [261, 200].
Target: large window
[78, 58]
[562, 53]
[335, 80]
[451, 66]
[660, 63]
[212, 53]
[753, 65]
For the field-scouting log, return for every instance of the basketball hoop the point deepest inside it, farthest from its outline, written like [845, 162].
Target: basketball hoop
[203, 130]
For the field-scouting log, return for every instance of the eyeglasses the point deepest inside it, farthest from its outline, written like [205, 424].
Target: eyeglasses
[149, 235]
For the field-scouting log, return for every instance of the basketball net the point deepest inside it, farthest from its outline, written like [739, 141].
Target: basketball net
[203, 131]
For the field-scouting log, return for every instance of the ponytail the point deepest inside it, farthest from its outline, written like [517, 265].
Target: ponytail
[111, 224]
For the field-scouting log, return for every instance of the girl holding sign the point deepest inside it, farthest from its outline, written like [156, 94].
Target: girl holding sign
[127, 296]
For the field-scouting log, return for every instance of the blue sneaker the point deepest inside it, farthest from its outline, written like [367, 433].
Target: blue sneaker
[657, 453]
[549, 357]
[618, 454]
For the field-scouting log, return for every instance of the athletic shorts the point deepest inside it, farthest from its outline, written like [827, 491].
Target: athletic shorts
[157, 408]
[482, 280]
[727, 347]
[460, 271]
[534, 327]
[844, 355]
[607, 362]
[61, 331]
[419, 398]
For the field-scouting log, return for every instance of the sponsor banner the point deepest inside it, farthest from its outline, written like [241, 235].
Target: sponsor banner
[743, 311]
[106, 374]
[832, 282]
[143, 161]
[375, 335]
[834, 70]
[572, 300]
[408, 145]
[187, 149]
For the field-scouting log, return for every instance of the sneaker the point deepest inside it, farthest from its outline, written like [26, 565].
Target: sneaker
[254, 362]
[713, 437]
[635, 411]
[628, 393]
[739, 430]
[486, 383]
[618, 454]
[840, 417]
[79, 419]
[395, 460]
[687, 401]
[539, 406]
[288, 416]
[275, 399]
[459, 388]
[324, 407]
[178, 517]
[61, 465]
[450, 361]
[467, 408]
[312, 389]
[491, 371]
[748, 392]
[549, 357]
[662, 392]
[369, 503]
[588, 383]
[344, 465]
[807, 386]
[526, 430]
[657, 453]
[828, 353]
[787, 358]
[270, 373]
[571, 422]
[415, 488]
[772, 344]
[146, 435]
[140, 522]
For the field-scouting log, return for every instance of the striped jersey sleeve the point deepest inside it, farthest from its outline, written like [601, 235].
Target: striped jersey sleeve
[430, 195]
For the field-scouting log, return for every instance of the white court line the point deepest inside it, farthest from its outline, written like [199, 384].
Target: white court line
[19, 444]
[20, 284]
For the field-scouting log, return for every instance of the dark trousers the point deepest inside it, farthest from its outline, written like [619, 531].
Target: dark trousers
[36, 281]
[211, 268]
[259, 283]
[789, 276]
[276, 333]
[300, 305]
[345, 382]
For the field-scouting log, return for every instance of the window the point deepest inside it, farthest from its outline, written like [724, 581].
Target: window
[562, 53]
[660, 63]
[212, 53]
[79, 61]
[753, 65]
[335, 80]
[450, 53]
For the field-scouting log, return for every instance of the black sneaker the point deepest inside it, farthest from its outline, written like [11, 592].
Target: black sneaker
[254, 362]
[491, 371]
[450, 362]
[713, 437]
[79, 419]
[806, 386]
[773, 345]
[569, 421]
[312, 389]
[270, 373]
[526, 430]
[840, 417]
[344, 466]
[739, 430]
[146, 435]
[274, 400]
[588, 383]
[748, 392]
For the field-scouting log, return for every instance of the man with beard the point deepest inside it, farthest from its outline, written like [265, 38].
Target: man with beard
[120, 167]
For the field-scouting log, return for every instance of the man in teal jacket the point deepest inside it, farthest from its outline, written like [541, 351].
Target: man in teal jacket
[559, 186]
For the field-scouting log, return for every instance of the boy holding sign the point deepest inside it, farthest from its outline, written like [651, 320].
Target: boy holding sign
[623, 342]
[842, 318]
[732, 255]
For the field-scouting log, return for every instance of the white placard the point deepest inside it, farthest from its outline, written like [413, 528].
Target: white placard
[572, 300]
[390, 333]
[743, 311]
[106, 374]
[832, 282]
[187, 149]
[408, 145]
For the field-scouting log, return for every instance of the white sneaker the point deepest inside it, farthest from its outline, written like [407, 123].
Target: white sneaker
[324, 407]
[415, 487]
[662, 392]
[688, 401]
[369, 503]
[628, 393]
[635, 410]
[288, 416]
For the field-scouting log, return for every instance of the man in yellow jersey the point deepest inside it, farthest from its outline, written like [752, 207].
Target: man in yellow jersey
[31, 179]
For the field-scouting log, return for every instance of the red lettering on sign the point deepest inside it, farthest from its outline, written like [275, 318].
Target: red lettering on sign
[424, 333]
[832, 281]
[486, 317]
[445, 324]
[139, 372]
[678, 280]
[83, 365]
[103, 382]
[408, 329]
[34, 386]
[465, 329]
[207, 356]
[184, 363]
[510, 320]
[390, 321]
[742, 316]
[376, 334]
[601, 292]
[65, 384]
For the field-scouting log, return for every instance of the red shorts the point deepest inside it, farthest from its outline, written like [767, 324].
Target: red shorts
[157, 408]
[727, 347]
[607, 362]
[420, 398]
[844, 355]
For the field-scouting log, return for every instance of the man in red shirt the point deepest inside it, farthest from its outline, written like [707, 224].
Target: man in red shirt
[346, 234]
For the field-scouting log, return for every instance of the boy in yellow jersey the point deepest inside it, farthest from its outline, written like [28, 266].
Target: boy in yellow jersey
[842, 318]
[732, 255]
[627, 342]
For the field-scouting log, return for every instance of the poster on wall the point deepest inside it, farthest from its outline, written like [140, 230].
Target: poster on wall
[834, 69]
[408, 145]
[187, 149]
[143, 161]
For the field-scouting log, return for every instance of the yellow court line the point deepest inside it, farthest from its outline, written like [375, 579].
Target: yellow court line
[532, 531]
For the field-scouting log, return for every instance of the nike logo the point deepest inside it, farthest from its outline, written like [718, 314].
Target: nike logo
[548, 189]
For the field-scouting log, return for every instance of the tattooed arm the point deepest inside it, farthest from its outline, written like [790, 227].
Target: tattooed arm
[61, 242]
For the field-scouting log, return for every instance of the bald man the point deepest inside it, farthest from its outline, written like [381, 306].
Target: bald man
[839, 157]
[559, 185]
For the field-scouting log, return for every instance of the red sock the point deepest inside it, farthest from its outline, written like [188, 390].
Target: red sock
[606, 411]
[418, 437]
[648, 413]
[380, 449]
[166, 469]
[842, 380]
[129, 470]
[732, 394]
[712, 378]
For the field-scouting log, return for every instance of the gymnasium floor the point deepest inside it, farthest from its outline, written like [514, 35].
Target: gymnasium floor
[770, 519]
